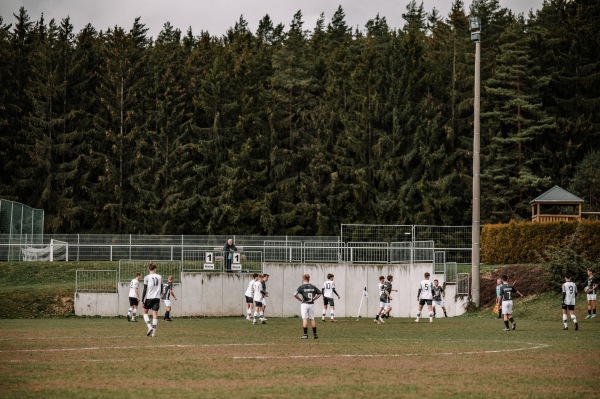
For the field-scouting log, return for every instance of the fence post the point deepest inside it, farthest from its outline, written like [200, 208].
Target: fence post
[51, 250]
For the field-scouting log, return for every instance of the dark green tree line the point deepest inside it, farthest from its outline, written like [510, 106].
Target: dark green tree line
[295, 130]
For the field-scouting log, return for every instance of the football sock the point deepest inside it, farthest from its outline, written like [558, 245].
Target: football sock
[130, 311]
[589, 311]
[377, 316]
[305, 330]
[261, 314]
[255, 314]
[314, 330]
[565, 320]
[431, 315]
[506, 323]
[511, 320]
[573, 318]
[147, 320]
[324, 312]
[594, 311]
[332, 314]
[154, 323]
[445, 314]
[134, 312]
[167, 314]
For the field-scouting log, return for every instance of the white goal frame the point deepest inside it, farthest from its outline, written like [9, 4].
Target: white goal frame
[57, 250]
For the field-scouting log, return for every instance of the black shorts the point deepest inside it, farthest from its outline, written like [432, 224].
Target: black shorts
[328, 301]
[152, 304]
[425, 301]
[568, 307]
[133, 301]
[258, 304]
[249, 299]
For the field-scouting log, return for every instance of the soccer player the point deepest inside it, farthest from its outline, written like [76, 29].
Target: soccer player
[387, 287]
[425, 296]
[569, 290]
[134, 297]
[328, 291]
[151, 298]
[438, 295]
[307, 294]
[498, 297]
[249, 294]
[590, 290]
[258, 298]
[383, 300]
[507, 292]
[265, 295]
[166, 298]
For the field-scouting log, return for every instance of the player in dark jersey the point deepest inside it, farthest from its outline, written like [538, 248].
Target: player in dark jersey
[166, 298]
[507, 293]
[590, 290]
[438, 294]
[307, 294]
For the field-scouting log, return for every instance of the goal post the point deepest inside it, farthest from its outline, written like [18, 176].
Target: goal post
[56, 251]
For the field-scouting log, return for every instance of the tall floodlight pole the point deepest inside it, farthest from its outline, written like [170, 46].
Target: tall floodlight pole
[475, 24]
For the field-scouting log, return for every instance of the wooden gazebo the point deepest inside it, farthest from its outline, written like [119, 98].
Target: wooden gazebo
[556, 197]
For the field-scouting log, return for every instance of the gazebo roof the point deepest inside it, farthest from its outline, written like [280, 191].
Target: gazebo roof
[557, 195]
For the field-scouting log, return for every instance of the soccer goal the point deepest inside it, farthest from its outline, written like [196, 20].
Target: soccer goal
[57, 250]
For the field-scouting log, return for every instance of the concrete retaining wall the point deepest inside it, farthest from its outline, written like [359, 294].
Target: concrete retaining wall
[222, 294]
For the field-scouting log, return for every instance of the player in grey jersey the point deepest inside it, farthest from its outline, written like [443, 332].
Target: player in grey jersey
[307, 294]
[166, 298]
[507, 293]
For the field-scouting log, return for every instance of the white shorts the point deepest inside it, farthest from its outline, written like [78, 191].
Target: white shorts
[591, 297]
[438, 303]
[307, 311]
[507, 307]
[264, 301]
[167, 302]
[385, 305]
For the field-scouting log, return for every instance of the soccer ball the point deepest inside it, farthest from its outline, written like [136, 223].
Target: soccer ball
[587, 289]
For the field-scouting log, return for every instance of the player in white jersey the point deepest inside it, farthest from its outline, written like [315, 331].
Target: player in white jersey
[151, 298]
[328, 291]
[258, 298]
[425, 296]
[249, 295]
[134, 297]
[569, 291]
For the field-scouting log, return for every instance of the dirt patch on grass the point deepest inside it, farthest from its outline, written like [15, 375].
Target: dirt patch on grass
[529, 280]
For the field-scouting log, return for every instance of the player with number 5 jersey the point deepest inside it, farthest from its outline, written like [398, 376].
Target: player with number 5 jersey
[425, 296]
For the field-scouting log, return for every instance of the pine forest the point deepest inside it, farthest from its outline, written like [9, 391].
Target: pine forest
[295, 129]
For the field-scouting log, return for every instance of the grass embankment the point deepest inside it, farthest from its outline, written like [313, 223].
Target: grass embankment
[41, 289]
[46, 290]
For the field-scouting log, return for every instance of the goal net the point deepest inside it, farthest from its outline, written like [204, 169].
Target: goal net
[57, 250]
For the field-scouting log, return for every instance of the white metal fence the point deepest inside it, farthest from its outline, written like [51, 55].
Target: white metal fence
[96, 281]
[357, 244]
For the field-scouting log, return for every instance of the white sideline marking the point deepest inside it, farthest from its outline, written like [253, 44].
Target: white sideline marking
[96, 348]
[537, 346]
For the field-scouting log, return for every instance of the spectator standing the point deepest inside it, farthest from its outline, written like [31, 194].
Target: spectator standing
[228, 249]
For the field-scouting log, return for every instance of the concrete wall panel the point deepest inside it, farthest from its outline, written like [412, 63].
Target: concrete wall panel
[218, 294]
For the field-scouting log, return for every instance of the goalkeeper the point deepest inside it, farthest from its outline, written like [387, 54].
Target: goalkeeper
[499, 297]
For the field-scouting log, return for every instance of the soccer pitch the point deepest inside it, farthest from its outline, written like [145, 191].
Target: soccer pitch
[462, 357]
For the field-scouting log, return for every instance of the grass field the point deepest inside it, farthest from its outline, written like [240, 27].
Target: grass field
[463, 357]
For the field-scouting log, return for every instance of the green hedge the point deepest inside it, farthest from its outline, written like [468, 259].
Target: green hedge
[524, 242]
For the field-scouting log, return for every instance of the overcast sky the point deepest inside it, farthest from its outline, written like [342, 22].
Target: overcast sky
[216, 16]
